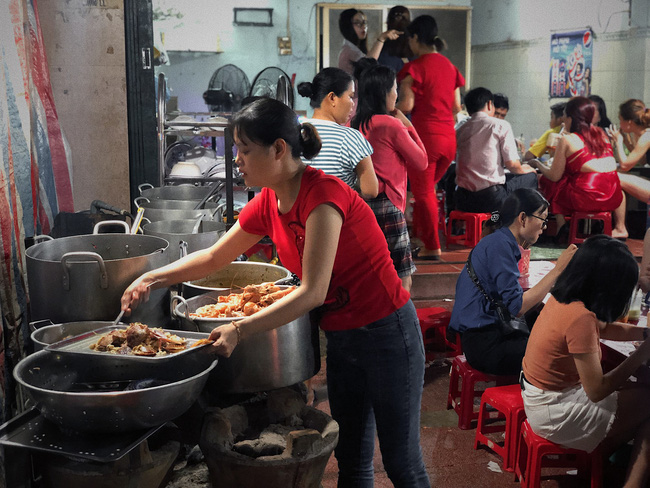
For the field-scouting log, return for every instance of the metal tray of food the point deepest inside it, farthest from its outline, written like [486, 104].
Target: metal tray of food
[80, 344]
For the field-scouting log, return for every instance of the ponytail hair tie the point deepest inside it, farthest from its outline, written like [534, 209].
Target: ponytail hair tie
[495, 217]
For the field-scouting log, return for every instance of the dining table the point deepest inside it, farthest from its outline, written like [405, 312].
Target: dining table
[615, 352]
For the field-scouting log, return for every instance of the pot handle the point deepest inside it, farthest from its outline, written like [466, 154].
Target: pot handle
[37, 324]
[179, 298]
[85, 256]
[103, 223]
[137, 201]
[144, 186]
[182, 248]
[42, 237]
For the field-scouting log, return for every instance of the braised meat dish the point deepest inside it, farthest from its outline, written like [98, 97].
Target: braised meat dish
[140, 340]
[252, 299]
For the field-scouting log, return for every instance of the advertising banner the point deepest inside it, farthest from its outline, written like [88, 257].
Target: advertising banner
[571, 61]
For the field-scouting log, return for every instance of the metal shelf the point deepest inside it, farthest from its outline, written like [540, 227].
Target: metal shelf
[195, 128]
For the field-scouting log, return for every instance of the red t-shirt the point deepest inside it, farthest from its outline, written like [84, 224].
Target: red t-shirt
[434, 81]
[396, 148]
[364, 286]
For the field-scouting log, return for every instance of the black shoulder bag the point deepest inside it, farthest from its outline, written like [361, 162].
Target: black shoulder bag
[506, 321]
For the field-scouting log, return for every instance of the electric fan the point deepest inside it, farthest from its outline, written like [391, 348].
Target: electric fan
[228, 86]
[272, 82]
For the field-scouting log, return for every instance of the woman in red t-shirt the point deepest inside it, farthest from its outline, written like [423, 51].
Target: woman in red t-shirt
[327, 235]
[430, 92]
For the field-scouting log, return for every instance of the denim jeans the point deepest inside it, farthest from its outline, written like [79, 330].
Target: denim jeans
[375, 376]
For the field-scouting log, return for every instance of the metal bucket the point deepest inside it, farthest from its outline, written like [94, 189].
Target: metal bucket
[273, 359]
[235, 275]
[49, 378]
[176, 231]
[82, 278]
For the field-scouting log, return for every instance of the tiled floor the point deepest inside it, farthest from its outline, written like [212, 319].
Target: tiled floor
[449, 456]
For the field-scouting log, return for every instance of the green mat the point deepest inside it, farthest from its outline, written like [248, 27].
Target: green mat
[546, 252]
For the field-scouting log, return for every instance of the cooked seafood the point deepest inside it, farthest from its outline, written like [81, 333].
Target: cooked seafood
[140, 340]
[252, 299]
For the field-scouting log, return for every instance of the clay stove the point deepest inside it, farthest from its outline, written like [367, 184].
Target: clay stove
[275, 438]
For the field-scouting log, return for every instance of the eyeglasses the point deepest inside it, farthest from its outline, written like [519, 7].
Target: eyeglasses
[544, 221]
[360, 23]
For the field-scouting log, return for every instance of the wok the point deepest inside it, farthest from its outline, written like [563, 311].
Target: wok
[48, 377]
[273, 359]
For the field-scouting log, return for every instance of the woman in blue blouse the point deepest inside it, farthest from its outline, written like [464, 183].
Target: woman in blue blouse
[487, 347]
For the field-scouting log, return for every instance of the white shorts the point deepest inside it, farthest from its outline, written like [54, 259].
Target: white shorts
[568, 417]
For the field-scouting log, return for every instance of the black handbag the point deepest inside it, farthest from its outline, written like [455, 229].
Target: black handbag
[506, 321]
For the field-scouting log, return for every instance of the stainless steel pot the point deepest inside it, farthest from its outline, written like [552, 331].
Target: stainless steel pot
[83, 277]
[156, 210]
[50, 334]
[180, 192]
[235, 275]
[176, 231]
[273, 359]
[50, 377]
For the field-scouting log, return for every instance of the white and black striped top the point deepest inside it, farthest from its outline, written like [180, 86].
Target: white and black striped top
[343, 148]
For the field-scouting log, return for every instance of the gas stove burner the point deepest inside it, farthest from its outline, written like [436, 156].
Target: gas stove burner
[31, 430]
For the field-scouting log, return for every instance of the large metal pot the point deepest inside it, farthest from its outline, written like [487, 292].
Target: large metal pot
[235, 275]
[83, 277]
[273, 359]
[50, 379]
[180, 192]
[155, 210]
[176, 231]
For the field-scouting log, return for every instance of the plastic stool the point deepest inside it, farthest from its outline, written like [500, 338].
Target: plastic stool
[531, 458]
[605, 217]
[473, 223]
[509, 406]
[462, 383]
[434, 322]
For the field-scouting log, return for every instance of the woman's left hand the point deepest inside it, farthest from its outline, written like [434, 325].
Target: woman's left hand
[226, 338]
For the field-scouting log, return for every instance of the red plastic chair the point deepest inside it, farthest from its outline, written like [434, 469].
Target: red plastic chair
[462, 389]
[533, 456]
[473, 224]
[434, 322]
[576, 217]
[507, 405]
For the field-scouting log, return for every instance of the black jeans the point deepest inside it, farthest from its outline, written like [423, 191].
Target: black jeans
[491, 198]
[489, 350]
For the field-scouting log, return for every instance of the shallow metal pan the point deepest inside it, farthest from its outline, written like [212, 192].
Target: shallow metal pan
[80, 344]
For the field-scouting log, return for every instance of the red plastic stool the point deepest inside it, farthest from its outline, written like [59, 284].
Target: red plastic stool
[473, 223]
[462, 389]
[440, 194]
[605, 217]
[509, 406]
[532, 453]
[434, 322]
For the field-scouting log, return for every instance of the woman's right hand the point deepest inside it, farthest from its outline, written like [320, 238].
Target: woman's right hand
[137, 292]
[399, 115]
[565, 258]
[614, 133]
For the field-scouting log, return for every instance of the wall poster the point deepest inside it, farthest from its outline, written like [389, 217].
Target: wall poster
[571, 60]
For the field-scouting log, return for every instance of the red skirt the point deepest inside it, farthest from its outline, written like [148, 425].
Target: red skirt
[583, 192]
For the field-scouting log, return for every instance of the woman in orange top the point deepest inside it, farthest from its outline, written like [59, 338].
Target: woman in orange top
[567, 397]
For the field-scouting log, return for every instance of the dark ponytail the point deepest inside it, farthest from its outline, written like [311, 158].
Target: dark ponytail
[266, 120]
[310, 142]
[329, 80]
[426, 29]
